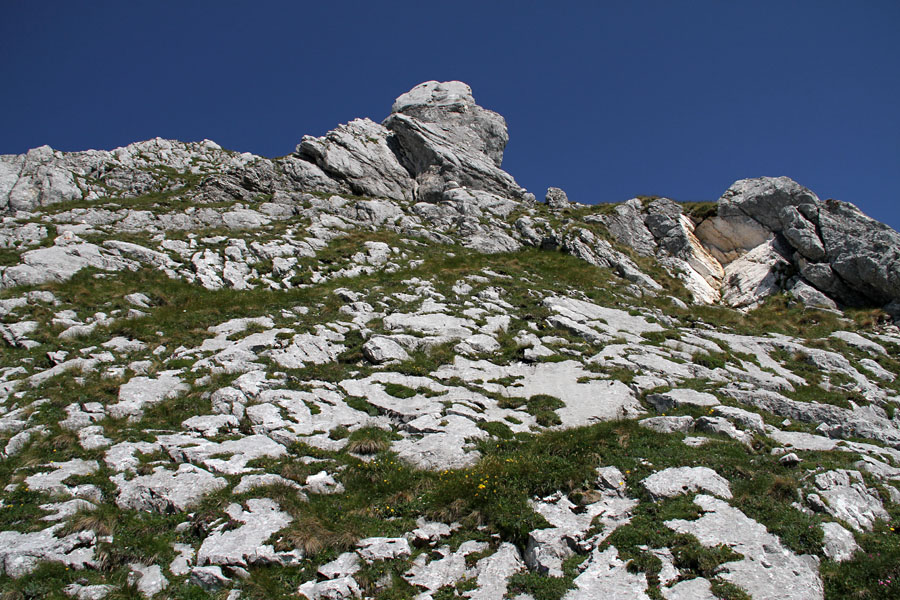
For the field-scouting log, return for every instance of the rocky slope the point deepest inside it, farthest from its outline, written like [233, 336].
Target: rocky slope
[378, 367]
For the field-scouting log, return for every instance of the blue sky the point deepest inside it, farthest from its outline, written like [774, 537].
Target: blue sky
[607, 100]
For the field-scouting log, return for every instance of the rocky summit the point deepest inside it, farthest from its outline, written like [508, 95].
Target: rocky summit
[380, 368]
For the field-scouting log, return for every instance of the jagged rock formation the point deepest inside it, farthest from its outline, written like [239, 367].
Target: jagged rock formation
[377, 367]
[769, 235]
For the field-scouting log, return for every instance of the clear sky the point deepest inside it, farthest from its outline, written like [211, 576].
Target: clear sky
[607, 100]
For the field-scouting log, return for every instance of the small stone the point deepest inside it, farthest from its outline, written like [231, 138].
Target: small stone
[149, 579]
[345, 565]
[209, 578]
[87, 592]
[323, 483]
[380, 350]
[382, 548]
[333, 589]
[668, 424]
[790, 460]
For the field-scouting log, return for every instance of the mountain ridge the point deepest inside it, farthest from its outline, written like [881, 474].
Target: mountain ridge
[447, 147]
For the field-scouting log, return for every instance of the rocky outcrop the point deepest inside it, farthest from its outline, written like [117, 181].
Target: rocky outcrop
[768, 235]
[445, 140]
[358, 154]
[662, 229]
[832, 245]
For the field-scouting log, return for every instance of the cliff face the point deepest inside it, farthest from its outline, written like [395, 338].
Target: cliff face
[378, 367]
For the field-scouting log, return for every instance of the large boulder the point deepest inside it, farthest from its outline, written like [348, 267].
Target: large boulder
[445, 139]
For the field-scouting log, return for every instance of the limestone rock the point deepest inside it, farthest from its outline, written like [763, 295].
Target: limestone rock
[626, 224]
[494, 572]
[690, 589]
[345, 565]
[838, 543]
[141, 392]
[245, 545]
[209, 578]
[61, 262]
[87, 592]
[755, 276]
[380, 350]
[166, 491]
[360, 154]
[556, 198]
[843, 253]
[668, 424]
[843, 494]
[607, 576]
[681, 397]
[20, 553]
[332, 589]
[149, 580]
[382, 548]
[767, 570]
[673, 481]
[441, 134]
[54, 482]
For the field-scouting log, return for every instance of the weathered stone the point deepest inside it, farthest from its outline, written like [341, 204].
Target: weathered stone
[87, 592]
[435, 574]
[767, 570]
[241, 451]
[556, 198]
[382, 548]
[681, 397]
[755, 276]
[790, 460]
[181, 564]
[209, 578]
[359, 154]
[139, 393]
[607, 576]
[442, 134]
[20, 553]
[858, 341]
[60, 263]
[838, 543]
[53, 482]
[845, 254]
[673, 481]
[345, 565]
[166, 491]
[626, 224]
[323, 483]
[583, 244]
[380, 350]
[748, 420]
[149, 580]
[332, 589]
[668, 424]
[494, 572]
[690, 589]
[843, 494]
[722, 426]
[251, 482]
[245, 545]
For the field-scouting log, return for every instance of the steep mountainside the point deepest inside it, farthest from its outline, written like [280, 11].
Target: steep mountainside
[378, 367]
